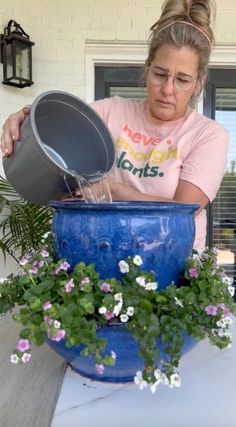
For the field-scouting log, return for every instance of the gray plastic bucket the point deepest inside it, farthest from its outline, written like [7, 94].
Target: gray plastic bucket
[61, 135]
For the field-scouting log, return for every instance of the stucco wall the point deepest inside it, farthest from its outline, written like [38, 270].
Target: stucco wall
[61, 28]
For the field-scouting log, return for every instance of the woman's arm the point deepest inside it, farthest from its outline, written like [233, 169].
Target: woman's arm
[185, 192]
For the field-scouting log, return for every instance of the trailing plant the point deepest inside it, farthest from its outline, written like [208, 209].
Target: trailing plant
[58, 303]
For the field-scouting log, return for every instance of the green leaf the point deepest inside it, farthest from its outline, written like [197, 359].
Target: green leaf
[23, 224]
[87, 302]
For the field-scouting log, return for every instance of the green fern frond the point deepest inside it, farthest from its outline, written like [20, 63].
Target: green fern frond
[22, 224]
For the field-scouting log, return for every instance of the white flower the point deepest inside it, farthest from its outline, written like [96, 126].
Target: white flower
[118, 297]
[196, 257]
[164, 379]
[154, 386]
[26, 357]
[175, 380]
[45, 236]
[137, 260]
[223, 333]
[178, 302]
[56, 324]
[228, 334]
[220, 333]
[231, 290]
[215, 250]
[14, 358]
[117, 308]
[141, 281]
[124, 318]
[157, 374]
[221, 323]
[151, 286]
[124, 267]
[139, 381]
[102, 310]
[130, 311]
[227, 280]
[228, 321]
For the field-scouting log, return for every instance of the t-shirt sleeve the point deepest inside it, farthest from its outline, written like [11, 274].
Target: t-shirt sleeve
[205, 164]
[103, 107]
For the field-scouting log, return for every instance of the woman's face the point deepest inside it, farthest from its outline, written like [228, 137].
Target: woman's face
[168, 100]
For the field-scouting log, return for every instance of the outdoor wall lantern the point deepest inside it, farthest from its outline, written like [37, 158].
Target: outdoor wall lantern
[16, 56]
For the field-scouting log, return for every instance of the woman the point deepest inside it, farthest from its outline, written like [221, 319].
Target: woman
[166, 150]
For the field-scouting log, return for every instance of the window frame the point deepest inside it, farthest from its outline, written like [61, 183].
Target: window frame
[111, 53]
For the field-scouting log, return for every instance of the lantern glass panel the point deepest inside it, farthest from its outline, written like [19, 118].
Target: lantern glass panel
[9, 64]
[22, 61]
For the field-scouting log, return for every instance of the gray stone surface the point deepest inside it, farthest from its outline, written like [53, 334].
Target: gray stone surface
[28, 393]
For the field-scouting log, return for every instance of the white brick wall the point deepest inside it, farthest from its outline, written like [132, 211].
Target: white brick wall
[60, 29]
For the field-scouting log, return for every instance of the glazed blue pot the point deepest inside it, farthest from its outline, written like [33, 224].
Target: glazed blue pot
[119, 340]
[161, 233]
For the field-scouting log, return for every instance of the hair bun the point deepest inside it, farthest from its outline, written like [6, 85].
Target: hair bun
[197, 12]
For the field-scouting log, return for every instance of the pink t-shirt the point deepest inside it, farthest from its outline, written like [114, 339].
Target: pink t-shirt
[152, 158]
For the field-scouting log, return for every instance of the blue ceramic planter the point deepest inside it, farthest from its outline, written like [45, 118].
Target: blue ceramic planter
[161, 233]
[120, 340]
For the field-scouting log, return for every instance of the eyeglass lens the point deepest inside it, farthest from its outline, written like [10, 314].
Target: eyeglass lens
[180, 80]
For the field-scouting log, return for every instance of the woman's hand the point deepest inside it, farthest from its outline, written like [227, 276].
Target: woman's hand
[11, 130]
[125, 192]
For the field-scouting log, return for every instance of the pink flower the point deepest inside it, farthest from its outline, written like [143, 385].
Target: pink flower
[26, 357]
[85, 280]
[33, 270]
[41, 263]
[100, 368]
[69, 285]
[108, 315]
[24, 261]
[193, 272]
[211, 310]
[105, 287]
[23, 345]
[64, 266]
[47, 305]
[48, 319]
[59, 335]
[44, 253]
[22, 273]
[226, 311]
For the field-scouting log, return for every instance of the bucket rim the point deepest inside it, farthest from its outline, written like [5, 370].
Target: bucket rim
[90, 110]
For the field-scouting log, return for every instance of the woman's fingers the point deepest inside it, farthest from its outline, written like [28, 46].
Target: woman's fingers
[11, 130]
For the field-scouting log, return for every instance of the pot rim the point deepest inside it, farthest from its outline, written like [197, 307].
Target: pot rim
[122, 205]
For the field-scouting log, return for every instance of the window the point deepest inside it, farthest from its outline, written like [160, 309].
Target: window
[122, 81]
[220, 104]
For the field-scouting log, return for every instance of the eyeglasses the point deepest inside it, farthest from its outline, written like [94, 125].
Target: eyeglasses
[181, 81]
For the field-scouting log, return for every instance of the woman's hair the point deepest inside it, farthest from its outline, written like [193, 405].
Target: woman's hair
[184, 23]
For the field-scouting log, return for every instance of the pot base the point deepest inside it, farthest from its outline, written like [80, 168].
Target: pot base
[119, 340]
